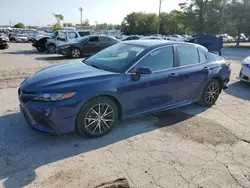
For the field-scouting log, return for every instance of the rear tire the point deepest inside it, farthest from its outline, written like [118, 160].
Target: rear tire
[75, 53]
[211, 93]
[97, 117]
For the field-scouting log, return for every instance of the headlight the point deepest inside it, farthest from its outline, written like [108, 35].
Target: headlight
[54, 96]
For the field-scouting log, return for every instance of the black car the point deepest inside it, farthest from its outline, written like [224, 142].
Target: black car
[86, 46]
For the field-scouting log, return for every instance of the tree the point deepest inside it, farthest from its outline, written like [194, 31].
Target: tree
[59, 18]
[19, 25]
[174, 22]
[68, 25]
[139, 23]
[238, 16]
[57, 27]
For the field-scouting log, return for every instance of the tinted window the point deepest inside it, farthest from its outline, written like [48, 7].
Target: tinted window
[203, 57]
[188, 55]
[72, 35]
[94, 39]
[84, 33]
[160, 59]
[116, 57]
[104, 39]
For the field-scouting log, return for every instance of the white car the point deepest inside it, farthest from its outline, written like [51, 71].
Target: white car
[4, 37]
[245, 71]
[177, 38]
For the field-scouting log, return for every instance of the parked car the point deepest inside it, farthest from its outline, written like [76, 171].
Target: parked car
[56, 38]
[151, 38]
[21, 38]
[4, 37]
[3, 43]
[126, 80]
[86, 46]
[212, 42]
[131, 37]
[245, 71]
[175, 38]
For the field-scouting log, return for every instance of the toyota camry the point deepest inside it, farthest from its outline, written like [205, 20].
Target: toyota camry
[126, 80]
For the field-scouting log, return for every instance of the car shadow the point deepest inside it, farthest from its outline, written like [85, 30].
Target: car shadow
[239, 89]
[23, 149]
[55, 58]
[23, 52]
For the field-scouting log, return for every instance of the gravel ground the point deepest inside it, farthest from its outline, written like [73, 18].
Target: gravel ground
[187, 147]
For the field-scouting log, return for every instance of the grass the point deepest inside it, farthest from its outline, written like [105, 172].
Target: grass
[233, 45]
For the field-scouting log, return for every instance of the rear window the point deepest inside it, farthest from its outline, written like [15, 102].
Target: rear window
[84, 33]
[203, 57]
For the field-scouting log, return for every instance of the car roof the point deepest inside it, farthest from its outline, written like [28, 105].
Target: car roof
[157, 43]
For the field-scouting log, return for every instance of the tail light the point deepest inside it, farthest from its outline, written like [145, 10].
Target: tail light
[228, 64]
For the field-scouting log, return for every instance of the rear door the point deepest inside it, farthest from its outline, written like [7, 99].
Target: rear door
[91, 46]
[193, 72]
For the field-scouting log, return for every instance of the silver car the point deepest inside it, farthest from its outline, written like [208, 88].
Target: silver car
[245, 71]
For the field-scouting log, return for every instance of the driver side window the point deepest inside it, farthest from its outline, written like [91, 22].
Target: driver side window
[158, 60]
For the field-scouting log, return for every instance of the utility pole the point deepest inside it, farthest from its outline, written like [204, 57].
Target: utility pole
[158, 28]
[222, 15]
[81, 14]
[10, 23]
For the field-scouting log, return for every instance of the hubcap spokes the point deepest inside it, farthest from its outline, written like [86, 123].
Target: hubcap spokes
[76, 53]
[212, 93]
[99, 118]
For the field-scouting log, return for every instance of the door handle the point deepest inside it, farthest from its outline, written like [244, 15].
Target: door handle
[206, 69]
[173, 74]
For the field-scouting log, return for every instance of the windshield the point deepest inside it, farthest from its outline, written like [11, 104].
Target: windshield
[116, 57]
[82, 39]
[54, 35]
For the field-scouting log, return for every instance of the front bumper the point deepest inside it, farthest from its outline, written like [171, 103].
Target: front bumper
[244, 74]
[50, 117]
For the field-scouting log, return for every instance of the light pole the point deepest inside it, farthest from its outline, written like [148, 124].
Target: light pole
[81, 14]
[158, 27]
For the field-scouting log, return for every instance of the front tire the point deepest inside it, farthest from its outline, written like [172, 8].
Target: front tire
[211, 93]
[51, 49]
[75, 53]
[97, 117]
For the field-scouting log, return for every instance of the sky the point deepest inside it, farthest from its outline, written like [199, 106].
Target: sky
[40, 12]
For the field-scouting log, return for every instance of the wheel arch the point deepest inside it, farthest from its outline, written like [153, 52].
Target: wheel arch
[113, 98]
[219, 79]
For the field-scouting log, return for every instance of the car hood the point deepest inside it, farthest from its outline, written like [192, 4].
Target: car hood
[63, 76]
[246, 61]
[40, 36]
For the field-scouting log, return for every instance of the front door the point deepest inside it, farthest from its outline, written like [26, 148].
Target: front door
[156, 90]
[193, 72]
[91, 46]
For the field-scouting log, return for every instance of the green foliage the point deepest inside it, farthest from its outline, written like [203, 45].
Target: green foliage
[57, 27]
[19, 25]
[68, 25]
[139, 23]
[59, 18]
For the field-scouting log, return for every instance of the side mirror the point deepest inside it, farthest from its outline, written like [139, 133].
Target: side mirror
[143, 70]
[140, 71]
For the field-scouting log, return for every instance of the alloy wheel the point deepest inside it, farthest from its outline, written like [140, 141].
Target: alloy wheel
[99, 118]
[52, 49]
[76, 53]
[212, 93]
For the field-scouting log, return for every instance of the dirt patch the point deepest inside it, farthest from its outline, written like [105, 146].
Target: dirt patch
[196, 128]
[13, 78]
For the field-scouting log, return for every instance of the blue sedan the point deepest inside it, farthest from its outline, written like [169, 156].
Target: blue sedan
[127, 80]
